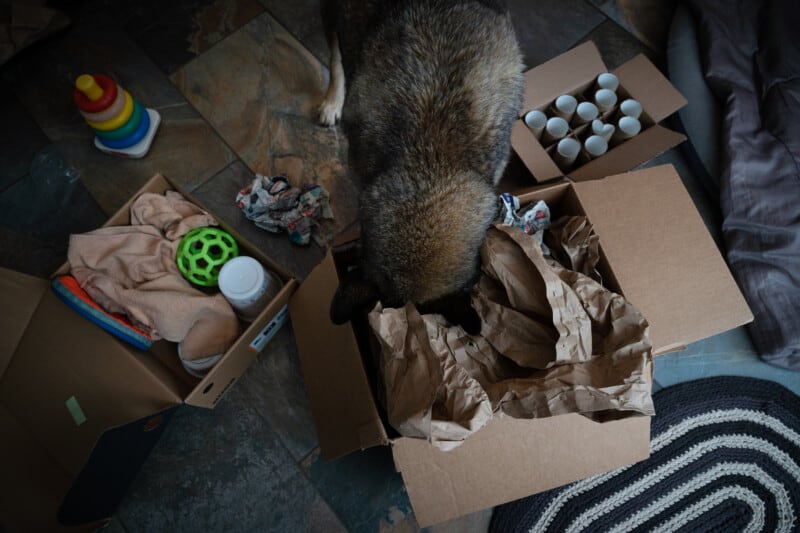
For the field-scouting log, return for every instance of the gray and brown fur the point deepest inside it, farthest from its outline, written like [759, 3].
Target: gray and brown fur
[431, 89]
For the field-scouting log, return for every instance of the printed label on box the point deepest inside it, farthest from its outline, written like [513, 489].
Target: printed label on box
[269, 331]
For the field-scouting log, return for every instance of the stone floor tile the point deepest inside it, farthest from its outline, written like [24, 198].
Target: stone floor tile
[275, 389]
[185, 148]
[19, 142]
[220, 470]
[174, 33]
[269, 119]
[617, 45]
[547, 28]
[362, 488]
[303, 20]
[218, 194]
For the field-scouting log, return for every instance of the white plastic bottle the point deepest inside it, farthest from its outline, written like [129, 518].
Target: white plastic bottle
[247, 286]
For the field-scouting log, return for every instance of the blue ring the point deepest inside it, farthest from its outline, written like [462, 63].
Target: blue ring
[134, 137]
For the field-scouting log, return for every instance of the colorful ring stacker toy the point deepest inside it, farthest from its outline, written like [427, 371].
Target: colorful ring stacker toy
[137, 135]
[122, 126]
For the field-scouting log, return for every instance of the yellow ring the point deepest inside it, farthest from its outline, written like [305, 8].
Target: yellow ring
[119, 120]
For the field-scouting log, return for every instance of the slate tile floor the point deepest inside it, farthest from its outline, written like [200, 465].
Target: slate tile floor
[236, 83]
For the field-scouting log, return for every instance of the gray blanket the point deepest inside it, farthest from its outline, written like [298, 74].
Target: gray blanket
[751, 55]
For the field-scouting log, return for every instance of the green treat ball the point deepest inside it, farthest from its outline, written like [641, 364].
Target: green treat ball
[202, 252]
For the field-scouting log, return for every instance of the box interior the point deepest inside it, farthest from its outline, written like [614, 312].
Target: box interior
[574, 73]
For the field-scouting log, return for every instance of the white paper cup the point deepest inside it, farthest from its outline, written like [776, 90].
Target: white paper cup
[555, 129]
[602, 129]
[564, 106]
[595, 146]
[605, 99]
[630, 108]
[566, 152]
[627, 127]
[606, 80]
[585, 112]
[536, 121]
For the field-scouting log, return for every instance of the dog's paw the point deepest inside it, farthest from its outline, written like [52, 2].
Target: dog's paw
[330, 111]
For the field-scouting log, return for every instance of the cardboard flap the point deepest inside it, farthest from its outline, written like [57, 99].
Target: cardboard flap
[645, 83]
[513, 458]
[644, 147]
[242, 353]
[662, 255]
[70, 380]
[344, 411]
[19, 296]
[561, 75]
[36, 482]
[532, 154]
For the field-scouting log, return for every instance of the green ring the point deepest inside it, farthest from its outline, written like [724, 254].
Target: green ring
[126, 129]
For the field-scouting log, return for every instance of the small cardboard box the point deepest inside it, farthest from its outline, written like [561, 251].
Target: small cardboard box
[81, 410]
[655, 250]
[574, 72]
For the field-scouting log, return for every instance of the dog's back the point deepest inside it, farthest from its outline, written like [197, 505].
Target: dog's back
[433, 88]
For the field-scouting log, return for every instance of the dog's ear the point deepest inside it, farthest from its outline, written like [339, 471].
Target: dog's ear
[353, 295]
[457, 310]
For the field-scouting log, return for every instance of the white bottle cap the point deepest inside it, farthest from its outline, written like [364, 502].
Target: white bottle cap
[585, 112]
[629, 126]
[605, 99]
[596, 145]
[246, 286]
[564, 106]
[606, 80]
[631, 108]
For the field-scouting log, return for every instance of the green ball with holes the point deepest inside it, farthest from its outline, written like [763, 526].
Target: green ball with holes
[202, 252]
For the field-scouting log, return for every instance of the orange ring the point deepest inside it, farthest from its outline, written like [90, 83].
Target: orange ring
[95, 106]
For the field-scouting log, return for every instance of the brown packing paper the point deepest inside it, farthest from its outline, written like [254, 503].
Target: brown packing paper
[429, 395]
[553, 341]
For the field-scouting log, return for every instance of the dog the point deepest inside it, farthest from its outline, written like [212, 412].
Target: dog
[427, 92]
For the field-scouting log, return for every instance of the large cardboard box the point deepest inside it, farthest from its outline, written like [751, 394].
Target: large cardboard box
[655, 250]
[80, 410]
[574, 72]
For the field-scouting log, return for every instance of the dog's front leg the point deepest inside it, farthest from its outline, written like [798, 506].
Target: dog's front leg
[330, 110]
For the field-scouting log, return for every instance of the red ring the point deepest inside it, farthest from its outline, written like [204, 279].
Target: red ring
[108, 97]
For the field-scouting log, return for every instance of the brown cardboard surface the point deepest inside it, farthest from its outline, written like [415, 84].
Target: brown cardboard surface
[561, 75]
[532, 153]
[513, 458]
[644, 147]
[238, 357]
[344, 410]
[19, 296]
[662, 255]
[34, 483]
[63, 355]
[645, 83]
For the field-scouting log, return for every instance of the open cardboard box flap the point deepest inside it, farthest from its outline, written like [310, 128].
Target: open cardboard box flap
[666, 264]
[663, 257]
[344, 411]
[64, 381]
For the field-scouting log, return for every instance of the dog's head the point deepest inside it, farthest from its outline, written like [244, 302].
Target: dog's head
[420, 247]
[357, 295]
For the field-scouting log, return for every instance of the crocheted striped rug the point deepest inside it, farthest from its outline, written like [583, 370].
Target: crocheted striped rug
[725, 456]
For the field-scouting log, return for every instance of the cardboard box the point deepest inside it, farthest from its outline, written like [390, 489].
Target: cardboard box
[654, 249]
[574, 72]
[57, 368]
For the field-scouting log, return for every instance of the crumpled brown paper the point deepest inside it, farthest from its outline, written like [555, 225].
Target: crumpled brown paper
[553, 341]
